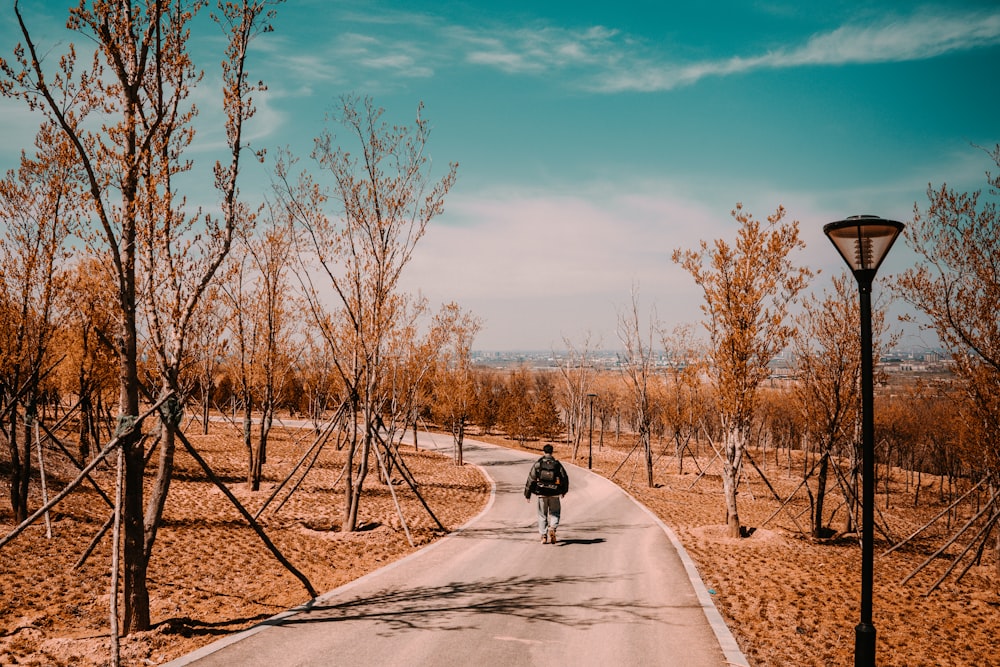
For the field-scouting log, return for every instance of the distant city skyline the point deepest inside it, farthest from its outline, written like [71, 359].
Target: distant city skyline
[593, 139]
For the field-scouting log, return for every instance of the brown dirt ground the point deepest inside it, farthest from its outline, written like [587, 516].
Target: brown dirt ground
[789, 600]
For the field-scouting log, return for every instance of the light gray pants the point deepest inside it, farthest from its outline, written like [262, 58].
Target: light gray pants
[549, 508]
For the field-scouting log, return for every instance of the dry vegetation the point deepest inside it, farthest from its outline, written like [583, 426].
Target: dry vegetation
[788, 599]
[210, 574]
[794, 601]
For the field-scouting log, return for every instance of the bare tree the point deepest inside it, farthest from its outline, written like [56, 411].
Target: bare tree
[747, 288]
[266, 305]
[385, 198]
[684, 361]
[828, 362]
[128, 120]
[637, 366]
[576, 369]
[956, 284]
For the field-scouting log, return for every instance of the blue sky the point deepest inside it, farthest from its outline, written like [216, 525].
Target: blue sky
[595, 138]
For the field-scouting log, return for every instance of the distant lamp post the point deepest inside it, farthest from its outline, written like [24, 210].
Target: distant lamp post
[864, 241]
[590, 440]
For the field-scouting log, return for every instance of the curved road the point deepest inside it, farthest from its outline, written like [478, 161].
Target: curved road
[617, 589]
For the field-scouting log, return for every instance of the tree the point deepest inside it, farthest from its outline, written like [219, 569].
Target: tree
[516, 405]
[748, 289]
[385, 199]
[544, 418]
[684, 408]
[208, 347]
[88, 367]
[454, 385]
[576, 369]
[128, 120]
[37, 204]
[263, 332]
[636, 362]
[956, 284]
[828, 363]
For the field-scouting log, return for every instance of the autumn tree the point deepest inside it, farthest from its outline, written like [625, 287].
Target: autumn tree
[383, 198]
[747, 289]
[827, 350]
[683, 408]
[37, 203]
[544, 420]
[516, 405]
[261, 322]
[208, 347]
[956, 285]
[128, 118]
[488, 393]
[454, 383]
[87, 369]
[320, 382]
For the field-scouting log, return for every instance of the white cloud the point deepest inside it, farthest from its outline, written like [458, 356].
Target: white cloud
[923, 35]
[564, 262]
[605, 60]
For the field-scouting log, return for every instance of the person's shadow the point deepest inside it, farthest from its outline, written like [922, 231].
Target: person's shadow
[595, 540]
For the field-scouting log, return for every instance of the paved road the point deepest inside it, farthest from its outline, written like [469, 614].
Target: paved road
[615, 591]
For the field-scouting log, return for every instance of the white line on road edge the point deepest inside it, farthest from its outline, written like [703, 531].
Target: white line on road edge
[734, 656]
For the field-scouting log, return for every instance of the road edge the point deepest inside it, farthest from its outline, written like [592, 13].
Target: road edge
[220, 644]
[731, 650]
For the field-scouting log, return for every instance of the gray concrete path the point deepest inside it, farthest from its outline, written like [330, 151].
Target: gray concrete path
[616, 590]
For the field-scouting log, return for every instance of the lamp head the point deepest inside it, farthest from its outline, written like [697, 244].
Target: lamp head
[863, 241]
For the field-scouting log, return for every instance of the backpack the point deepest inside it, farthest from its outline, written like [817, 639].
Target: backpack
[548, 475]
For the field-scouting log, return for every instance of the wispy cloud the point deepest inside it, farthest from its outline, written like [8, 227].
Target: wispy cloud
[536, 50]
[917, 37]
[388, 49]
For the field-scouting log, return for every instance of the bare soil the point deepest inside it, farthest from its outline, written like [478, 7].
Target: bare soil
[789, 599]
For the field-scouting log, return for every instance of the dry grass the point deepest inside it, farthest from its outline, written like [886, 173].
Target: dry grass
[788, 599]
[211, 575]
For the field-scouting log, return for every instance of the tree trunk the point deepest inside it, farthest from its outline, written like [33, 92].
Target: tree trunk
[729, 490]
[648, 451]
[824, 465]
[248, 435]
[20, 472]
[730, 480]
[85, 425]
[164, 474]
[206, 403]
[257, 470]
[136, 563]
[350, 514]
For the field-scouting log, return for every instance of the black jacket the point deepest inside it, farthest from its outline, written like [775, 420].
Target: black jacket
[563, 478]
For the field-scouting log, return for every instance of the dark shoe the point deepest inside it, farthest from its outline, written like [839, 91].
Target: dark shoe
[552, 535]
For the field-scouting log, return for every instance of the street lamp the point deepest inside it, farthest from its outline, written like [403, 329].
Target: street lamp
[864, 241]
[590, 440]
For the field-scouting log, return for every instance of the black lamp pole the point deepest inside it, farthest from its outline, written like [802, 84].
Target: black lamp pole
[864, 241]
[864, 633]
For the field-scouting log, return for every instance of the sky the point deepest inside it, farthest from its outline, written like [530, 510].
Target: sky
[595, 138]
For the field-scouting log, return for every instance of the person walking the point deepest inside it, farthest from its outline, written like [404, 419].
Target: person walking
[547, 480]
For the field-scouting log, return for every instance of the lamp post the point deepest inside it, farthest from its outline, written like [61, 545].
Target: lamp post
[864, 241]
[590, 439]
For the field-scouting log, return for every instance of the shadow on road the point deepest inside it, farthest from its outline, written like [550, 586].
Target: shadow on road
[527, 531]
[455, 606]
[596, 540]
